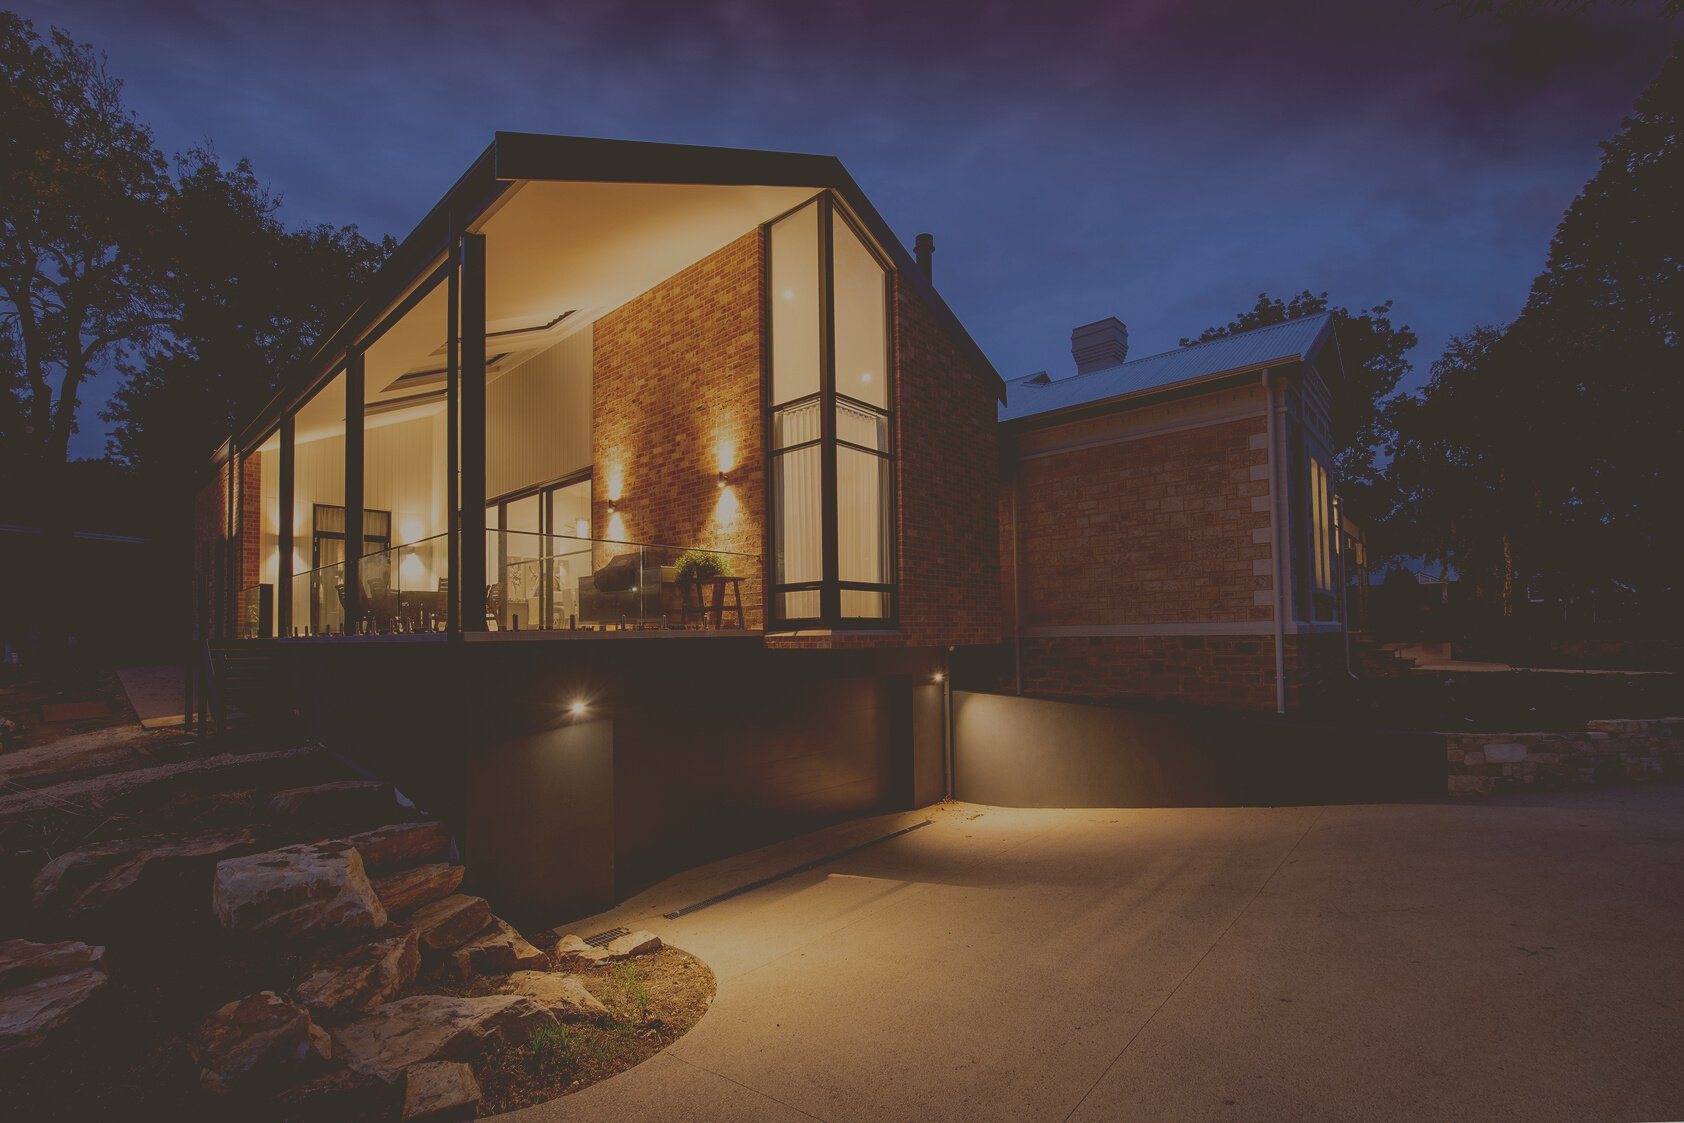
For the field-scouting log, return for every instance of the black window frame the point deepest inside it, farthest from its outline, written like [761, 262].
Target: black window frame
[830, 586]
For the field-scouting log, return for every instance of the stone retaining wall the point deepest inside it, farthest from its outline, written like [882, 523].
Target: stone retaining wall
[1617, 751]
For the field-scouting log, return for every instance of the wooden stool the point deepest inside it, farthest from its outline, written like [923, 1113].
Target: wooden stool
[714, 602]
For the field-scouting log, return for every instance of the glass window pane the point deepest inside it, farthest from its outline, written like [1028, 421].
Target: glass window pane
[862, 338]
[862, 516]
[802, 605]
[795, 305]
[862, 427]
[799, 511]
[794, 425]
[858, 604]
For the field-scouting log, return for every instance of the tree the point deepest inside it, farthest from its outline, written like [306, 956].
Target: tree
[1551, 453]
[249, 298]
[81, 190]
[1374, 355]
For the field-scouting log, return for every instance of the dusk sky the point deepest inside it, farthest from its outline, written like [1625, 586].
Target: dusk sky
[1159, 161]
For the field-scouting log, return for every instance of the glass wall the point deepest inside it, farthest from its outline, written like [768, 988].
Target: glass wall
[318, 512]
[831, 427]
[538, 547]
[404, 576]
[863, 495]
[265, 464]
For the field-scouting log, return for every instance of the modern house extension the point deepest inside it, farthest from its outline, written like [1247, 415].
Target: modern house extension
[1169, 529]
[631, 518]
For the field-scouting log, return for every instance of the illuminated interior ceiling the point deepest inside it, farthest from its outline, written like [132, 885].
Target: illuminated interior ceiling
[558, 256]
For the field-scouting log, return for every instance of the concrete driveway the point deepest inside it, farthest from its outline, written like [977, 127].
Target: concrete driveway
[1515, 958]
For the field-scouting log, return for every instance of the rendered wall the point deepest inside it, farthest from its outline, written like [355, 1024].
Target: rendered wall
[1034, 752]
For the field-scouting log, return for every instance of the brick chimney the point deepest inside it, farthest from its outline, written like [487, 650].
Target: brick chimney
[1103, 343]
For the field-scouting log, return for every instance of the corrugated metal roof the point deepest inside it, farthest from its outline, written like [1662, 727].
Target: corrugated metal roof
[1292, 340]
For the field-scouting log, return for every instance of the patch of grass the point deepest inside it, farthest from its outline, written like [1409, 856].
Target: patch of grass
[552, 1051]
[635, 990]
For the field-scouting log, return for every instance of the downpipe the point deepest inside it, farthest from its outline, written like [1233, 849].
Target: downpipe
[1275, 542]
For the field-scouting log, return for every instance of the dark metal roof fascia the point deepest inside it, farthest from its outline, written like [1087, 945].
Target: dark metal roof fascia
[475, 190]
[539, 156]
[514, 156]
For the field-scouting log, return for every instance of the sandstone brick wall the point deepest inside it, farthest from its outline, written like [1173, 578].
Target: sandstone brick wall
[676, 374]
[1171, 528]
[948, 473]
[1606, 752]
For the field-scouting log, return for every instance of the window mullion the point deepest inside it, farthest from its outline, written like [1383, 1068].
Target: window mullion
[830, 597]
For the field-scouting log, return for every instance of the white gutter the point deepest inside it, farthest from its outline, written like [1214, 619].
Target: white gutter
[1344, 581]
[1275, 544]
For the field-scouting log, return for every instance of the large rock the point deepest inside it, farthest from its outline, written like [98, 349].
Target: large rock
[342, 801]
[97, 793]
[256, 1039]
[496, 951]
[419, 885]
[338, 1093]
[440, 1092]
[358, 979]
[572, 949]
[44, 986]
[452, 922]
[313, 887]
[401, 844]
[633, 943]
[564, 996]
[435, 1027]
[108, 875]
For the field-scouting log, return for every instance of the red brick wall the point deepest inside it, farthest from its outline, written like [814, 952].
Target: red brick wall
[676, 372]
[210, 534]
[1153, 530]
[249, 514]
[949, 485]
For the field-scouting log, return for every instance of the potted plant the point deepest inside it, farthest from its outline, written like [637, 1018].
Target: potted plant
[695, 565]
[697, 570]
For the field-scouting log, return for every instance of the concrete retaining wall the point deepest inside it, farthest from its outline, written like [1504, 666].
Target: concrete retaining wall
[1036, 752]
[1617, 751]
[688, 749]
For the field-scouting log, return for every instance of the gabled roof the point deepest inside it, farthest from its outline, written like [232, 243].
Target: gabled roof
[1293, 341]
[513, 157]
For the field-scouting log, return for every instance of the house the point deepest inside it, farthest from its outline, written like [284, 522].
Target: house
[1169, 528]
[630, 518]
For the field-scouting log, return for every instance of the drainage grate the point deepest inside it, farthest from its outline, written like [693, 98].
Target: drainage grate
[603, 939]
[802, 868]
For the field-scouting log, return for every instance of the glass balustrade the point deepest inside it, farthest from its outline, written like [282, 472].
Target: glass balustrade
[536, 582]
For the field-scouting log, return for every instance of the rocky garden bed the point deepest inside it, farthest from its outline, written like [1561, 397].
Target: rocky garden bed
[255, 934]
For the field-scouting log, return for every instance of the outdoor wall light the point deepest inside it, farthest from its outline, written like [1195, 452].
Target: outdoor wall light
[723, 480]
[577, 709]
[938, 677]
[613, 507]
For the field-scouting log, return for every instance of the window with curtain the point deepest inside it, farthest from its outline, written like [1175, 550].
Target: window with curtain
[830, 448]
[1321, 502]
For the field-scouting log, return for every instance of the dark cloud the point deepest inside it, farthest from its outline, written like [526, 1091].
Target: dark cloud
[1161, 160]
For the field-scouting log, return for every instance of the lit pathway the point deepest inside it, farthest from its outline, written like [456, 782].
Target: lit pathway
[1519, 958]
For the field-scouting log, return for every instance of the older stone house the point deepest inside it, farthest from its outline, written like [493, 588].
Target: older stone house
[1169, 529]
